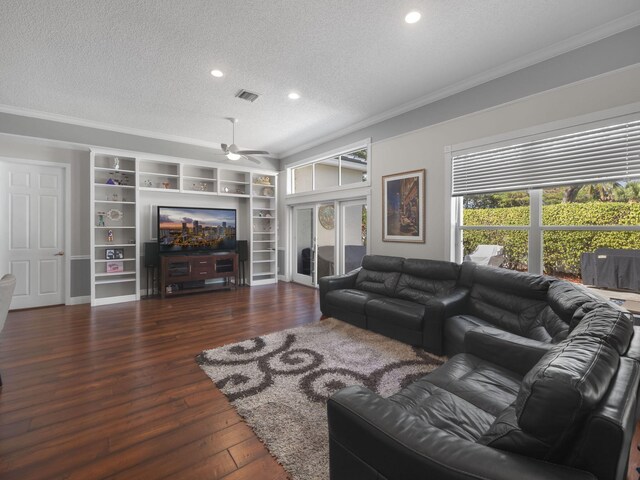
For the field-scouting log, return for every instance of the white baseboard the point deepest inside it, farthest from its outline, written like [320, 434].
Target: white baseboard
[79, 300]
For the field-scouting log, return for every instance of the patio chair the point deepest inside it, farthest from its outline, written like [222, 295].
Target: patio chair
[487, 255]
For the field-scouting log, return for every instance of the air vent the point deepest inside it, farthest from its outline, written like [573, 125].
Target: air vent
[247, 95]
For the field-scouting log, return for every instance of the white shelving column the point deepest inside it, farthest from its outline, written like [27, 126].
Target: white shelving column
[263, 252]
[114, 234]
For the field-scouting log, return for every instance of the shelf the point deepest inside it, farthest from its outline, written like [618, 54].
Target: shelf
[263, 241]
[115, 245]
[115, 201]
[113, 170]
[115, 274]
[237, 182]
[229, 194]
[255, 232]
[116, 260]
[123, 280]
[156, 189]
[111, 227]
[264, 218]
[264, 251]
[108, 185]
[156, 174]
[264, 261]
[204, 179]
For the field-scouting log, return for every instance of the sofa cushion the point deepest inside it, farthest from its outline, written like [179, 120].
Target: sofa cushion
[461, 397]
[569, 381]
[421, 279]
[522, 314]
[612, 326]
[379, 274]
[349, 299]
[566, 297]
[455, 329]
[396, 311]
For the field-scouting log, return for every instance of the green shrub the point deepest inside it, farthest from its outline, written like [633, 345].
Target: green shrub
[562, 249]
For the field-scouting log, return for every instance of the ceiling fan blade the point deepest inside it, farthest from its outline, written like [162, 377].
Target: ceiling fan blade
[252, 152]
[224, 147]
[254, 160]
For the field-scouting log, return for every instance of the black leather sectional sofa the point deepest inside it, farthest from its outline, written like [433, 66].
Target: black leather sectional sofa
[542, 382]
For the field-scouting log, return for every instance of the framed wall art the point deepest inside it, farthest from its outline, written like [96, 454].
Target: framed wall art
[403, 207]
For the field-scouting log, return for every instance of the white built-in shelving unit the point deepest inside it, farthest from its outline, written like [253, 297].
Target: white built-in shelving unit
[264, 237]
[115, 214]
[114, 238]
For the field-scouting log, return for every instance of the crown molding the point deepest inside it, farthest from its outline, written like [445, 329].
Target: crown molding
[54, 117]
[577, 41]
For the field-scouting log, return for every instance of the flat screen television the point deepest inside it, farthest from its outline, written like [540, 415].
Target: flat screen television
[195, 229]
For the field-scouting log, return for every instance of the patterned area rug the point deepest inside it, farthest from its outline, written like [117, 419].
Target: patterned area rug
[279, 383]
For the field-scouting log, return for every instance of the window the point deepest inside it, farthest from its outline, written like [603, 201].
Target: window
[348, 168]
[544, 204]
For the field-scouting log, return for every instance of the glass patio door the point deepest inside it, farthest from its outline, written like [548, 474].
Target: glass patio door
[303, 243]
[353, 234]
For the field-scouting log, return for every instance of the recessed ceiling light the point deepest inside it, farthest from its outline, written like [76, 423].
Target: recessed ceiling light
[294, 96]
[412, 17]
[217, 73]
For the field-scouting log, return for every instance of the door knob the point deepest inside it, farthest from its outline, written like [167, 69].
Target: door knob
[59, 254]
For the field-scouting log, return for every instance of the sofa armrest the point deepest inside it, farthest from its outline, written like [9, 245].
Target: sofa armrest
[371, 434]
[513, 352]
[336, 282]
[437, 309]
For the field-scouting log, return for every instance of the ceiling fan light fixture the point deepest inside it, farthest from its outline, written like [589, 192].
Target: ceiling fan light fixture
[217, 73]
[233, 156]
[294, 96]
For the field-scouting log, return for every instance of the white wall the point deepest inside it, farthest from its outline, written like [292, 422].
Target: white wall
[424, 148]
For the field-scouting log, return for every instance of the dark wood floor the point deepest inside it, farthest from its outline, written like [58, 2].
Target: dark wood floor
[114, 391]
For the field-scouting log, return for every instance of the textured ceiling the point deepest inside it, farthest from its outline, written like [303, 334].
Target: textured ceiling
[144, 64]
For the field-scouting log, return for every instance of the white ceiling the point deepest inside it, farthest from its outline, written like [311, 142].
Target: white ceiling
[143, 65]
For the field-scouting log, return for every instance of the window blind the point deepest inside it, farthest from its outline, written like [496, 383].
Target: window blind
[597, 155]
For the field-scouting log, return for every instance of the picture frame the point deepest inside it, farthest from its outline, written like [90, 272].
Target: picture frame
[114, 253]
[115, 267]
[403, 206]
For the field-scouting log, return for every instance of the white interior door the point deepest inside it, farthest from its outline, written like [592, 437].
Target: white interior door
[33, 205]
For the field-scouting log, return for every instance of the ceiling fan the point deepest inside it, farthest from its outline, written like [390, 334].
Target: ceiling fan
[232, 152]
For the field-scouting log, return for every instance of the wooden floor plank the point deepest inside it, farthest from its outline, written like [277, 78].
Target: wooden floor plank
[114, 391]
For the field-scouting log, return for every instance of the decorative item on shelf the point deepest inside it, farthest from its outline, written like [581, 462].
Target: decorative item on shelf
[260, 214]
[114, 197]
[203, 187]
[240, 191]
[116, 164]
[110, 236]
[113, 253]
[268, 215]
[123, 179]
[115, 215]
[110, 181]
[263, 180]
[132, 242]
[100, 222]
[115, 267]
[267, 192]
[226, 189]
[166, 185]
[147, 183]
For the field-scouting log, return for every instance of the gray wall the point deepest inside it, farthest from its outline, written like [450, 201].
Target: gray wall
[597, 77]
